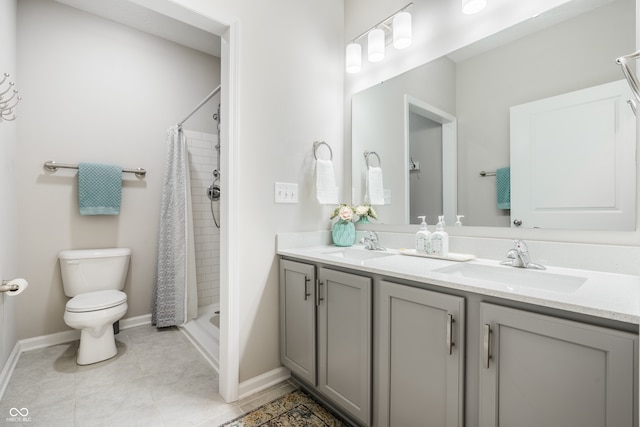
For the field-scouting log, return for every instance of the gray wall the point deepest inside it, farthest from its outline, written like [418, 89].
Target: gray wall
[101, 92]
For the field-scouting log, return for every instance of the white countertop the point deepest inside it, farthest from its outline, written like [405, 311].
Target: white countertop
[606, 295]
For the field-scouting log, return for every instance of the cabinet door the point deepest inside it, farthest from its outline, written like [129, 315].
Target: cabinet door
[420, 369]
[344, 341]
[542, 371]
[297, 319]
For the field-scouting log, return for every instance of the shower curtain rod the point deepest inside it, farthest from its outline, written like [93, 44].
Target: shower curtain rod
[204, 101]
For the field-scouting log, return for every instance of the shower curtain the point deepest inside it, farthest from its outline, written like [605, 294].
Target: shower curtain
[175, 287]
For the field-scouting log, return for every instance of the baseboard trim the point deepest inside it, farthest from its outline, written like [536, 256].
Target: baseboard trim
[261, 382]
[9, 366]
[133, 322]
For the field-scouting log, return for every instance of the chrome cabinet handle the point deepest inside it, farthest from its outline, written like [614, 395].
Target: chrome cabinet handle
[450, 342]
[306, 292]
[318, 299]
[486, 343]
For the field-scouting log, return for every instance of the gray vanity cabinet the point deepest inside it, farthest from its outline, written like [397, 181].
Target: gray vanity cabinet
[543, 371]
[298, 319]
[420, 357]
[337, 307]
[344, 341]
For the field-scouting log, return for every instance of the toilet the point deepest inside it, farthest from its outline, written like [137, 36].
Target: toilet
[94, 279]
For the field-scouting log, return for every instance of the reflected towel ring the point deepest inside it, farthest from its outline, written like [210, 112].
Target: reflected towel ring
[316, 144]
[369, 153]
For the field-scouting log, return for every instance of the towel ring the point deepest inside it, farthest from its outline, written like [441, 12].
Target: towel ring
[369, 153]
[316, 144]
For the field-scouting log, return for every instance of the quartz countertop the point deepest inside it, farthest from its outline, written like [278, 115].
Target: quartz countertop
[606, 295]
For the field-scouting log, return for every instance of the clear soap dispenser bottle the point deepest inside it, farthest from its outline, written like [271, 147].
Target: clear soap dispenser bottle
[440, 239]
[423, 238]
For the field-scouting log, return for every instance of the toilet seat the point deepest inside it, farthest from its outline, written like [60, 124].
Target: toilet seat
[94, 301]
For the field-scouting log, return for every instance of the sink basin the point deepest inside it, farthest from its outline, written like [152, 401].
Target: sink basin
[356, 254]
[516, 278]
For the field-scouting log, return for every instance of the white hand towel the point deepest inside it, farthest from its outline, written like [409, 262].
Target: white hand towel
[374, 186]
[326, 189]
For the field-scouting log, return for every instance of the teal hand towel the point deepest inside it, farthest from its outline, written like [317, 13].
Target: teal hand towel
[503, 187]
[99, 189]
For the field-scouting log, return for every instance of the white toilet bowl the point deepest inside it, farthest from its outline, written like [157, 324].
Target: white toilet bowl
[94, 314]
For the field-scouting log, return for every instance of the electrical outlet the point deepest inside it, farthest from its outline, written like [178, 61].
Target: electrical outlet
[285, 192]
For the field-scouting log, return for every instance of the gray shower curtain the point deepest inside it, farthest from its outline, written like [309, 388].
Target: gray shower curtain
[174, 296]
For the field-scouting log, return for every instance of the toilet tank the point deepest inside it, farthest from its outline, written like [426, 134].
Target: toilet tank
[91, 270]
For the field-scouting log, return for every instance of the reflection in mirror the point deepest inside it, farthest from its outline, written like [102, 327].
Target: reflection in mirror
[563, 51]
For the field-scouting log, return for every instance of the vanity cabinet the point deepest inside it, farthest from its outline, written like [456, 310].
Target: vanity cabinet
[337, 307]
[539, 370]
[298, 319]
[420, 357]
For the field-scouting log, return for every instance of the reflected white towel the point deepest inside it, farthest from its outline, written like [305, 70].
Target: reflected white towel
[375, 188]
[326, 189]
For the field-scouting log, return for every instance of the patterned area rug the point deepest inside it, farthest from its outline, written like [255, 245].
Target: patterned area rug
[296, 409]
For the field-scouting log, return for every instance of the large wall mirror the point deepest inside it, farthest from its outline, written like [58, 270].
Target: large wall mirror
[543, 102]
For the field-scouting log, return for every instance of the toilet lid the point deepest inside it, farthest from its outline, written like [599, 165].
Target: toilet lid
[93, 301]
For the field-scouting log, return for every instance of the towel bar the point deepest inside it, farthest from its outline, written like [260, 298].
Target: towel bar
[53, 167]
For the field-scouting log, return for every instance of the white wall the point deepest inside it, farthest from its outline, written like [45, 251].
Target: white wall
[290, 94]
[100, 92]
[8, 256]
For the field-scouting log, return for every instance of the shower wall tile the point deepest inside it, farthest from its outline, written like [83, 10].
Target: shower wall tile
[202, 161]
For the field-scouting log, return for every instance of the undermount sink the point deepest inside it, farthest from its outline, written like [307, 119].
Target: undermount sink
[516, 278]
[356, 254]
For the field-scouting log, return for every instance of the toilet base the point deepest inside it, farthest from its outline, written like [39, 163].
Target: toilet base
[94, 350]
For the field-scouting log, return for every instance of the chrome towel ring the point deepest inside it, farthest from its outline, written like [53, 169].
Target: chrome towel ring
[369, 153]
[316, 144]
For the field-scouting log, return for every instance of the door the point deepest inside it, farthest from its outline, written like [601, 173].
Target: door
[298, 319]
[543, 371]
[344, 341]
[420, 369]
[573, 160]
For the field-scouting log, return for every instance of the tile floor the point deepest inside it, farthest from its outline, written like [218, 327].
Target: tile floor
[158, 379]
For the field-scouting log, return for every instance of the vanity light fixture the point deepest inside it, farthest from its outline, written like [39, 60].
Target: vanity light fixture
[469, 7]
[395, 28]
[354, 58]
[375, 45]
[402, 30]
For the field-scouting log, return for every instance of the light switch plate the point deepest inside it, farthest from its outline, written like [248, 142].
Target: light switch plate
[285, 192]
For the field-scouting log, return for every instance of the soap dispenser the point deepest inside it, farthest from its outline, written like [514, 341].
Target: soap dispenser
[459, 220]
[440, 239]
[423, 238]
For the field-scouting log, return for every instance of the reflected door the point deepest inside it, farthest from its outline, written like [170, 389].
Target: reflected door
[573, 160]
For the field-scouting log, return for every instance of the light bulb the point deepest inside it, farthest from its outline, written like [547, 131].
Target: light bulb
[376, 45]
[354, 58]
[402, 30]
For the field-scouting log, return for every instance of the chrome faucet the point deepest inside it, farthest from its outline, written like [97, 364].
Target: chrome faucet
[371, 242]
[518, 256]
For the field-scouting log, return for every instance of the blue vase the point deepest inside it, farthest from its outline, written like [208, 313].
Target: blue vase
[363, 220]
[343, 233]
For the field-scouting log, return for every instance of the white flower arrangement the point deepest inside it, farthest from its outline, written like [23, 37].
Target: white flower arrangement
[365, 211]
[344, 212]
